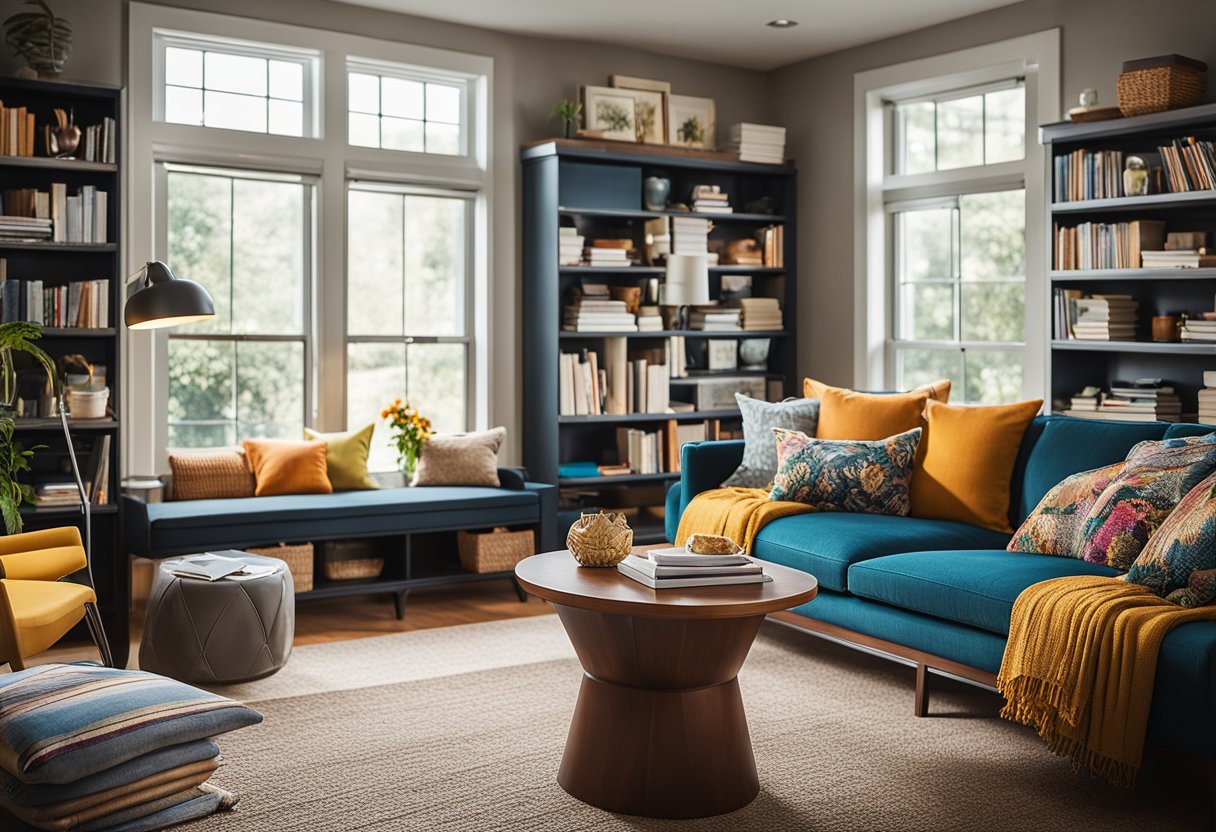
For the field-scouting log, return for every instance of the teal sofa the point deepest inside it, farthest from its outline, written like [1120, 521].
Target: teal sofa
[938, 594]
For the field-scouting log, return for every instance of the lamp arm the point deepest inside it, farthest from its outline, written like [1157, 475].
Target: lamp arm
[84, 497]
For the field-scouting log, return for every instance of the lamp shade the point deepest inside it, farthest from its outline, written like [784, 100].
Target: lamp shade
[165, 300]
[687, 280]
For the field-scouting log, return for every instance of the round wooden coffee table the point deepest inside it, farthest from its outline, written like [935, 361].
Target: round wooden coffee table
[659, 729]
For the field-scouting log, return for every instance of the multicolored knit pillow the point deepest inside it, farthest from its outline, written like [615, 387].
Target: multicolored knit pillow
[1155, 478]
[1179, 562]
[872, 477]
[1051, 529]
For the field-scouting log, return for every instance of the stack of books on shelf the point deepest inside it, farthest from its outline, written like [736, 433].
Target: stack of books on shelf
[759, 314]
[1143, 400]
[715, 319]
[1207, 398]
[1178, 259]
[640, 450]
[569, 247]
[1104, 318]
[649, 319]
[51, 494]
[758, 143]
[610, 252]
[689, 235]
[16, 131]
[675, 567]
[710, 199]
[80, 218]
[1190, 164]
[84, 304]
[1100, 245]
[772, 245]
[1088, 174]
[25, 229]
[588, 314]
[1200, 329]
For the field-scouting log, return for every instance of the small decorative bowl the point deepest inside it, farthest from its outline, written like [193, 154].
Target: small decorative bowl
[600, 539]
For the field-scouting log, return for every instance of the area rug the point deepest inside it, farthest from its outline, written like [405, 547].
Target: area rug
[462, 729]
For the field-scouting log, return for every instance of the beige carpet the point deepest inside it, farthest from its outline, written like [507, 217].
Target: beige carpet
[463, 730]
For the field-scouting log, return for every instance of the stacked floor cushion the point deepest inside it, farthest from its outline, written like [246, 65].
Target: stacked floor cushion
[88, 748]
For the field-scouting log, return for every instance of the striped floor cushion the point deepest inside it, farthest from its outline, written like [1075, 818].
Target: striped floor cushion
[61, 723]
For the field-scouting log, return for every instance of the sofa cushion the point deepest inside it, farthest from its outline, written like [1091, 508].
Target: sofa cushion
[759, 449]
[1051, 529]
[974, 587]
[848, 414]
[871, 477]
[826, 544]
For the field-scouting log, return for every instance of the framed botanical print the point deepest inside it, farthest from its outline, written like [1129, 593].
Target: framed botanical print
[649, 116]
[610, 111]
[691, 121]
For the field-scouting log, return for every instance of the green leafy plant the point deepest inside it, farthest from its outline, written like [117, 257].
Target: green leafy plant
[41, 38]
[569, 112]
[19, 336]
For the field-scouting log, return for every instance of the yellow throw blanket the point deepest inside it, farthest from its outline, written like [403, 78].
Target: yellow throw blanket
[1079, 667]
[737, 513]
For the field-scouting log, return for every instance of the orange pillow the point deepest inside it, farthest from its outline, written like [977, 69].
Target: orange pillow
[847, 414]
[967, 462]
[284, 466]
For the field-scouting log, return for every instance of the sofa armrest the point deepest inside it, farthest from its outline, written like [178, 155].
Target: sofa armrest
[137, 532]
[546, 530]
[513, 478]
[705, 465]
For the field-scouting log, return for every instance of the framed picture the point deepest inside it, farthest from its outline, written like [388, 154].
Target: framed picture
[691, 121]
[649, 116]
[611, 111]
[628, 82]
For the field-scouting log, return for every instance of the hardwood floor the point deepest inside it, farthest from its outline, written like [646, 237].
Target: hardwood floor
[342, 619]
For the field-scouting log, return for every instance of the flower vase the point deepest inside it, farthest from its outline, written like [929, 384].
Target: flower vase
[409, 464]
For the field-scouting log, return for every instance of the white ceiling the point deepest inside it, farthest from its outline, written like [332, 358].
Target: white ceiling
[722, 31]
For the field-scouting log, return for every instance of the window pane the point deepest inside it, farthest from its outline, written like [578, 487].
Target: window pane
[364, 93]
[993, 377]
[235, 73]
[994, 311]
[268, 237]
[364, 130]
[443, 103]
[401, 134]
[287, 80]
[375, 275]
[992, 235]
[234, 112]
[443, 138]
[401, 98]
[925, 239]
[434, 265]
[928, 312]
[960, 132]
[919, 147]
[375, 376]
[436, 384]
[183, 106]
[1005, 125]
[916, 367]
[201, 405]
[270, 389]
[183, 67]
[286, 118]
[199, 238]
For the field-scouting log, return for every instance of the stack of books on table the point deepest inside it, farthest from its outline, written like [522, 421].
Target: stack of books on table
[1143, 400]
[1178, 259]
[758, 143]
[1207, 398]
[715, 319]
[587, 315]
[710, 199]
[1105, 318]
[759, 314]
[570, 247]
[1199, 329]
[689, 235]
[676, 567]
[613, 253]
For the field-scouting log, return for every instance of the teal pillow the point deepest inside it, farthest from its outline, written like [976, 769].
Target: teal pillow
[872, 477]
[60, 723]
[759, 450]
[1179, 562]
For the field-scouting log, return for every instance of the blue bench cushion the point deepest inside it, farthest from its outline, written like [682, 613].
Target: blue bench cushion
[160, 529]
[973, 587]
[826, 544]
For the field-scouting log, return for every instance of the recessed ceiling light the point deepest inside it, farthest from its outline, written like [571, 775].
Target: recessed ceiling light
[782, 23]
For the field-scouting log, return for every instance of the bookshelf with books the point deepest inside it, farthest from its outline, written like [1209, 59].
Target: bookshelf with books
[615, 383]
[1126, 248]
[60, 266]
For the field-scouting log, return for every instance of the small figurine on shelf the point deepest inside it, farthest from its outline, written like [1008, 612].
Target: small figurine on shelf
[63, 139]
[1135, 177]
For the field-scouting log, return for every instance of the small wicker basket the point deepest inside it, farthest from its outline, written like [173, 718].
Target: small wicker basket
[497, 550]
[600, 539]
[298, 558]
[1153, 85]
[351, 560]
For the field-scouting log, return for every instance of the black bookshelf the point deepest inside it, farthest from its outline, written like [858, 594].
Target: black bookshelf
[58, 264]
[573, 182]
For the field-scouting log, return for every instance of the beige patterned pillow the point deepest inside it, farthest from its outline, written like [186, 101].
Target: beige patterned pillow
[216, 474]
[461, 459]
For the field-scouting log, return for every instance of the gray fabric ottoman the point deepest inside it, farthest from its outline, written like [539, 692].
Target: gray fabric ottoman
[219, 632]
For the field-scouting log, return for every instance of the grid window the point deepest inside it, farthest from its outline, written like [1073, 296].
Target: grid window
[959, 131]
[396, 112]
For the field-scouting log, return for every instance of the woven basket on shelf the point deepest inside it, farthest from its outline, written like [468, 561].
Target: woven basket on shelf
[494, 551]
[351, 560]
[1153, 85]
[600, 539]
[298, 558]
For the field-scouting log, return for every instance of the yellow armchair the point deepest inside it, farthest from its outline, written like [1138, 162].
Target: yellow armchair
[36, 607]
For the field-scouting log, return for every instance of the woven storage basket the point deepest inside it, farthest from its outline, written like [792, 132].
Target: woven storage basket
[351, 560]
[1154, 85]
[298, 558]
[494, 551]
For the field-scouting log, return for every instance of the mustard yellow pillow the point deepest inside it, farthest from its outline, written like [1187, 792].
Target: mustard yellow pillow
[346, 459]
[969, 454]
[283, 466]
[847, 414]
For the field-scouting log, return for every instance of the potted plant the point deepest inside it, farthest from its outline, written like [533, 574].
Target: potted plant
[14, 458]
[411, 431]
[19, 336]
[41, 38]
[568, 111]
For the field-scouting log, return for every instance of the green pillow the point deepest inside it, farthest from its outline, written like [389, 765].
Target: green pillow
[347, 458]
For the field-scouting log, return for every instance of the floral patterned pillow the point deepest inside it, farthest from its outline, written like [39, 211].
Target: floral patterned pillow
[1051, 529]
[1179, 562]
[845, 475]
[1154, 479]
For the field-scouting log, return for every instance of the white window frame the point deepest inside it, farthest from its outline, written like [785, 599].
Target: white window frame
[333, 163]
[425, 75]
[1035, 57]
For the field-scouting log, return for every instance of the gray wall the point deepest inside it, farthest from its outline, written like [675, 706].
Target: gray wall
[814, 99]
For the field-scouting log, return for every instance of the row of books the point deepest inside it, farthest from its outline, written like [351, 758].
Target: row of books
[1142, 400]
[80, 218]
[1100, 245]
[1093, 317]
[96, 481]
[1190, 164]
[83, 304]
[641, 451]
[1088, 174]
[676, 567]
[99, 142]
[1207, 398]
[620, 385]
[762, 143]
[17, 131]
